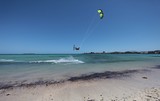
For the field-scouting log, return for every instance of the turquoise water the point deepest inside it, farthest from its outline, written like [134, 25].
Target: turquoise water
[31, 68]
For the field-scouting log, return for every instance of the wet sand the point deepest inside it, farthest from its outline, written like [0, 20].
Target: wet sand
[128, 85]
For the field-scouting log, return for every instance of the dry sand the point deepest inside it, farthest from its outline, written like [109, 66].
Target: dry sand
[138, 87]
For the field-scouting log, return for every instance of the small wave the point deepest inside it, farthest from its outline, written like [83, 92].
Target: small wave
[61, 60]
[6, 60]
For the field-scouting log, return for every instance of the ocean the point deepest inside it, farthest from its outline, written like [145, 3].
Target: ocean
[25, 68]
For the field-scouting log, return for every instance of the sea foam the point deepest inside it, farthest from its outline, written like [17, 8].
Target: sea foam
[6, 60]
[61, 60]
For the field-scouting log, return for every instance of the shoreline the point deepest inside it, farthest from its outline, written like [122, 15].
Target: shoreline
[134, 88]
[128, 85]
[83, 77]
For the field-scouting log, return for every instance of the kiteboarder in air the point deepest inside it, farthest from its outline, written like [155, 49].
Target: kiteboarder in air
[76, 48]
[101, 15]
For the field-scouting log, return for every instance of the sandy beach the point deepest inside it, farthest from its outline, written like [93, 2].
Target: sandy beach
[143, 85]
[79, 50]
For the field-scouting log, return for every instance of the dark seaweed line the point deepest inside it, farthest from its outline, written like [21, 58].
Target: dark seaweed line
[156, 67]
[84, 77]
[104, 75]
[33, 84]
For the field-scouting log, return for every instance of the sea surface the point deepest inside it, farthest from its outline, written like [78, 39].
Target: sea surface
[16, 68]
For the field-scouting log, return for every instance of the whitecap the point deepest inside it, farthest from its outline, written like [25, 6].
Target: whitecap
[6, 60]
[61, 60]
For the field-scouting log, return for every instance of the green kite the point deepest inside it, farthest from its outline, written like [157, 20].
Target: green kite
[101, 14]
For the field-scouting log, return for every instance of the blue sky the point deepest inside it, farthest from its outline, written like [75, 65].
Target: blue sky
[53, 26]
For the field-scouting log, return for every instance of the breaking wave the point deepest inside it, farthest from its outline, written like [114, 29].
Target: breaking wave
[61, 60]
[6, 60]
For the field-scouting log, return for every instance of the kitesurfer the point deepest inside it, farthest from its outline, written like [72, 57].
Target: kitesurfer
[76, 48]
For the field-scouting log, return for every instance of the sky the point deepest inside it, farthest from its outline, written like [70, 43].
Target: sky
[54, 26]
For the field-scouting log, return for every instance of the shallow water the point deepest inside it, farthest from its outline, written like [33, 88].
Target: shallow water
[32, 68]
